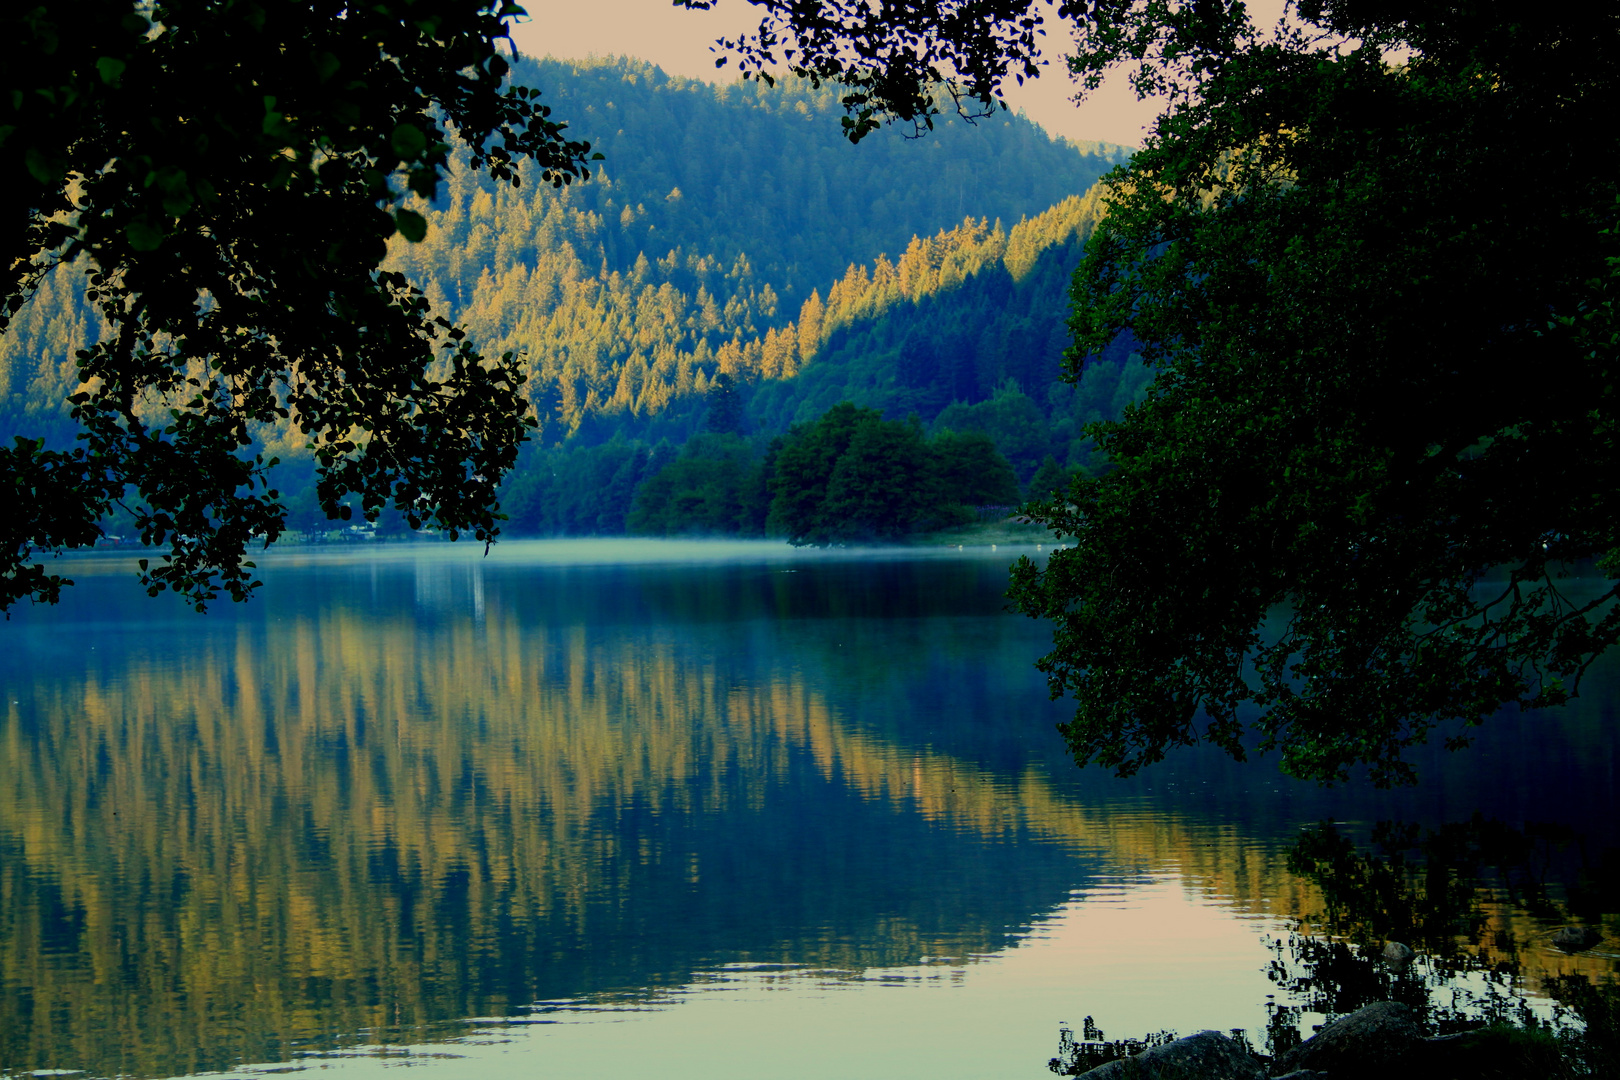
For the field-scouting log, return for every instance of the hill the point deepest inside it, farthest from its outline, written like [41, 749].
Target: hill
[730, 229]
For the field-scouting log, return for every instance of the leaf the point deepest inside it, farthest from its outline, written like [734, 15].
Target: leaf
[412, 226]
[408, 141]
[111, 69]
[39, 167]
[326, 66]
[143, 235]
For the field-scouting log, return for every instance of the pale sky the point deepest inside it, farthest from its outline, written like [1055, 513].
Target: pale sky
[678, 41]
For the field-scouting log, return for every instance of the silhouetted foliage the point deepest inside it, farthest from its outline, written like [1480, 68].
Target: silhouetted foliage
[1337, 266]
[225, 178]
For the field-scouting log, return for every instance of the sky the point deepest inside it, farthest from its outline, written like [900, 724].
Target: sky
[678, 41]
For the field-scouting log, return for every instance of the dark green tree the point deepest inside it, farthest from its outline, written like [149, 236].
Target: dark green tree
[1011, 419]
[918, 363]
[725, 414]
[1368, 256]
[884, 487]
[853, 477]
[1050, 481]
[972, 471]
[228, 174]
[804, 471]
[578, 490]
[892, 61]
[713, 488]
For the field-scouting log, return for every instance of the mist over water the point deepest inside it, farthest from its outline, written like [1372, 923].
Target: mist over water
[730, 808]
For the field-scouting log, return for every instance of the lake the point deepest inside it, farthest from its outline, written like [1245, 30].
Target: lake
[586, 807]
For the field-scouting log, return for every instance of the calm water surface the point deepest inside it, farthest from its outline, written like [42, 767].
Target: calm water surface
[578, 808]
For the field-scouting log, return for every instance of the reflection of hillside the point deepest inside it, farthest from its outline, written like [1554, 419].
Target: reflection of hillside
[424, 794]
[345, 823]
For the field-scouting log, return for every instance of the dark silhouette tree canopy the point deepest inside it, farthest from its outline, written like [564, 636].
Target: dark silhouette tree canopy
[1371, 257]
[228, 174]
[893, 60]
[1376, 420]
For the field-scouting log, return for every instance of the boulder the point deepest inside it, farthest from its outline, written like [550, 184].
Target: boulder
[1397, 953]
[1208, 1055]
[1381, 1038]
[1575, 939]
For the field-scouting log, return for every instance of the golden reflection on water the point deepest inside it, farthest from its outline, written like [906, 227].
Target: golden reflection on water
[342, 821]
[358, 818]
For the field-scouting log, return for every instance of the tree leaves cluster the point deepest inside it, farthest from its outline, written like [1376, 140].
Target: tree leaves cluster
[853, 476]
[1371, 423]
[579, 489]
[892, 62]
[719, 485]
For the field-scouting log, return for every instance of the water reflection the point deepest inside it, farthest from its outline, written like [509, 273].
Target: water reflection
[396, 793]
[1469, 907]
[938, 1019]
[399, 796]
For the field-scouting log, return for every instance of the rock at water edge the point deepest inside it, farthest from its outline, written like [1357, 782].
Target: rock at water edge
[1380, 1036]
[1208, 1055]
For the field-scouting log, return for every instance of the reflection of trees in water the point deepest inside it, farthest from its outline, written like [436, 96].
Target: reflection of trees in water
[1478, 901]
[1094, 1048]
[374, 808]
[1332, 978]
[1470, 908]
[1471, 896]
[336, 822]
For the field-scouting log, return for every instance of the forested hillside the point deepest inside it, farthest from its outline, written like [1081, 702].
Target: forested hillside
[729, 230]
[964, 331]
